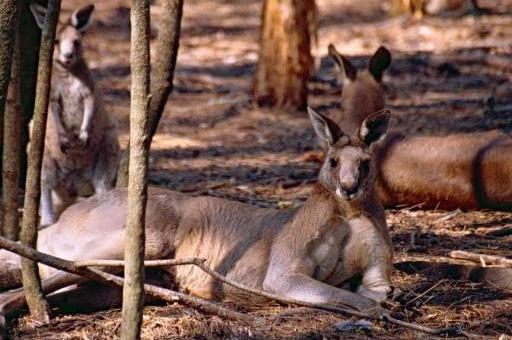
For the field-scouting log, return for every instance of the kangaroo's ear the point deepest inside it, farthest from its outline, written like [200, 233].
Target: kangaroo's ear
[81, 17]
[345, 66]
[379, 62]
[374, 127]
[39, 13]
[327, 130]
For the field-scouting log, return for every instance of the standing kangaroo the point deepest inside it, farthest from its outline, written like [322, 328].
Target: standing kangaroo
[305, 253]
[81, 146]
[468, 171]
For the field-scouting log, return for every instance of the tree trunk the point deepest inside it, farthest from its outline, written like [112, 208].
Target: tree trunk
[8, 23]
[11, 147]
[29, 56]
[167, 45]
[133, 289]
[29, 269]
[285, 61]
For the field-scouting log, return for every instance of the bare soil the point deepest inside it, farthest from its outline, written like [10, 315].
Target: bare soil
[212, 140]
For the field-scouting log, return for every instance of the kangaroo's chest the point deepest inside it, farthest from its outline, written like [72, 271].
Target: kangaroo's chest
[344, 250]
[71, 93]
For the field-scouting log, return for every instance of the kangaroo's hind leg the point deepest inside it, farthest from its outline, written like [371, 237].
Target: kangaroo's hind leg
[105, 168]
[12, 300]
[10, 270]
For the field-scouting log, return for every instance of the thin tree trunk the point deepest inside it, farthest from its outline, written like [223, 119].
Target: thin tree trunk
[285, 61]
[133, 289]
[29, 56]
[167, 46]
[30, 274]
[10, 158]
[8, 21]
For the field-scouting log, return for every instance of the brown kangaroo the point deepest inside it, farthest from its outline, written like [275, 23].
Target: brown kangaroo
[81, 148]
[305, 253]
[418, 8]
[362, 91]
[468, 171]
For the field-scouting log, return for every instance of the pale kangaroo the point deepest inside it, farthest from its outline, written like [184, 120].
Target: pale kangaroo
[468, 171]
[81, 146]
[306, 253]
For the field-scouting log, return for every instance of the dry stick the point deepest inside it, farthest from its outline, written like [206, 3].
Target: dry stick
[481, 258]
[201, 264]
[109, 279]
[29, 269]
[11, 130]
[505, 231]
[168, 295]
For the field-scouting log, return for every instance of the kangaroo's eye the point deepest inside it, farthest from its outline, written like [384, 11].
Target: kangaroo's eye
[333, 162]
[76, 43]
[56, 41]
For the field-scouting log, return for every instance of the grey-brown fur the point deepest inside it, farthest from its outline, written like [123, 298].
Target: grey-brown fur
[81, 146]
[307, 253]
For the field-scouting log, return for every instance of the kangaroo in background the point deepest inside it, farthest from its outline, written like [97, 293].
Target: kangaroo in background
[305, 253]
[362, 92]
[81, 147]
[418, 8]
[468, 171]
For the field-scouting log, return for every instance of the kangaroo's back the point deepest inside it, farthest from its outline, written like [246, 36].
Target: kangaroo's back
[457, 171]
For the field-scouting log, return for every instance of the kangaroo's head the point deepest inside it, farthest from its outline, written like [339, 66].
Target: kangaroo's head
[362, 91]
[347, 170]
[69, 36]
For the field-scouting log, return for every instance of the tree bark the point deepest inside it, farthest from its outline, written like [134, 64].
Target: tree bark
[11, 148]
[29, 56]
[133, 289]
[30, 275]
[167, 45]
[8, 23]
[285, 62]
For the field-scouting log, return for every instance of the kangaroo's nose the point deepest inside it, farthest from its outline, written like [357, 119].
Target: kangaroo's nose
[350, 189]
[68, 55]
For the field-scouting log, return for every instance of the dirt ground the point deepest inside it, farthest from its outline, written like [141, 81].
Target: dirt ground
[213, 141]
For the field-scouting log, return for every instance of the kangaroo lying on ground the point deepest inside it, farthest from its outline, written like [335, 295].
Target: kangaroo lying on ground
[468, 171]
[418, 8]
[304, 253]
[81, 147]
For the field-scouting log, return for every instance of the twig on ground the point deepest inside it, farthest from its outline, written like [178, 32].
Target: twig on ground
[336, 309]
[485, 260]
[172, 296]
[505, 231]
[109, 279]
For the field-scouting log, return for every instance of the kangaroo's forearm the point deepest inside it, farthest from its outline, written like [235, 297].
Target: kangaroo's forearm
[89, 103]
[303, 288]
[56, 111]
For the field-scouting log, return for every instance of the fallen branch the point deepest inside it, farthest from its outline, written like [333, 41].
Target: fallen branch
[172, 296]
[485, 260]
[109, 279]
[149, 263]
[505, 231]
[384, 316]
